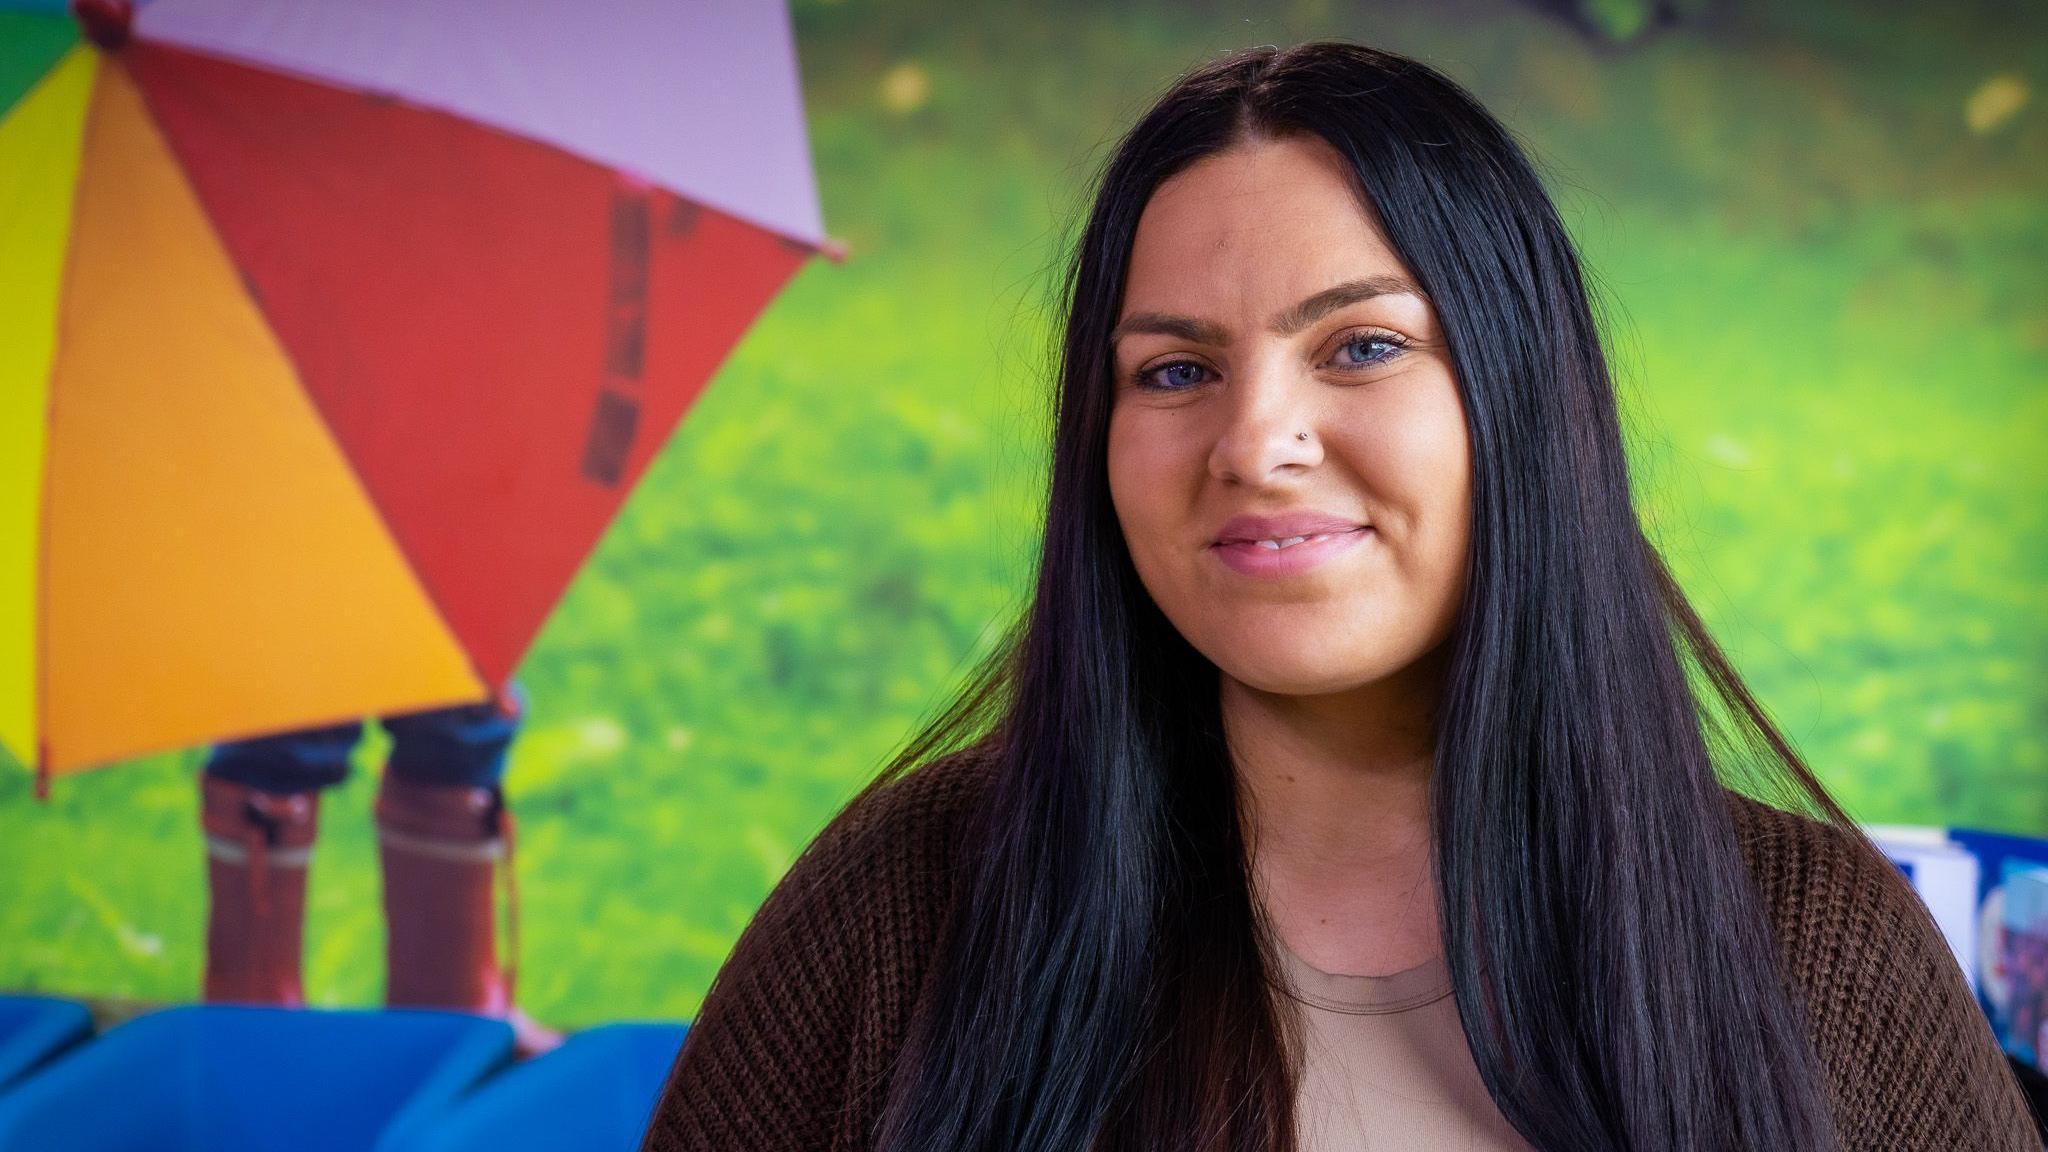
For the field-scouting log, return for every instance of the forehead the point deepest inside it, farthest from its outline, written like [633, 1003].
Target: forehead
[1265, 218]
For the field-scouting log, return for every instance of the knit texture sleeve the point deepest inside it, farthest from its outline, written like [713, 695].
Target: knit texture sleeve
[793, 1044]
[1910, 1060]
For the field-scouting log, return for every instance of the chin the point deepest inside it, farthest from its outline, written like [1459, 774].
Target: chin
[1308, 669]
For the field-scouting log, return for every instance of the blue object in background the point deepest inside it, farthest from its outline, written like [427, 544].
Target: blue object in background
[222, 1078]
[35, 1028]
[593, 1094]
[2020, 997]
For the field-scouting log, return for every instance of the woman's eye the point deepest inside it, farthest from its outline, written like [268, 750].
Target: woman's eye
[1365, 350]
[1361, 345]
[1173, 376]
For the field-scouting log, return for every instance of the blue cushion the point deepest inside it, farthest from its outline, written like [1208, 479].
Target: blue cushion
[593, 1093]
[35, 1028]
[226, 1079]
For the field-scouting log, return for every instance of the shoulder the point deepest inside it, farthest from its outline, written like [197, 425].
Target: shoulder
[798, 1029]
[878, 873]
[881, 863]
[1902, 1042]
[905, 830]
[896, 840]
[1815, 877]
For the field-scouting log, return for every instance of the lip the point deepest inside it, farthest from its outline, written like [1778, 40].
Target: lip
[1249, 559]
[1306, 523]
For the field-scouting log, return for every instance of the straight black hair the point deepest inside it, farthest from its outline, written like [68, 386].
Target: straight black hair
[1103, 983]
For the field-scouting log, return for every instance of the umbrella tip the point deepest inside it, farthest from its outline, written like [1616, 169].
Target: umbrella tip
[104, 22]
[833, 250]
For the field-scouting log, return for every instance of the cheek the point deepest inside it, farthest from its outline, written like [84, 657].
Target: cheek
[1132, 477]
[1146, 478]
[1420, 459]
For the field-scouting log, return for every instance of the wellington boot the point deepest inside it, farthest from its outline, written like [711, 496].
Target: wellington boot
[442, 849]
[258, 846]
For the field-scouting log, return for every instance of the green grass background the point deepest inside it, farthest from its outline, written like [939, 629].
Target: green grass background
[1829, 316]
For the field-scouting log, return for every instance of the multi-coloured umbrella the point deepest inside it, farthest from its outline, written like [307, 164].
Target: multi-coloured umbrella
[332, 335]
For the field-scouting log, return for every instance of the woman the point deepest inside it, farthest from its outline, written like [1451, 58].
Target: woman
[1346, 784]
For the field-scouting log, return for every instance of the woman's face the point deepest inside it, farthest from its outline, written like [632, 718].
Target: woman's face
[1262, 301]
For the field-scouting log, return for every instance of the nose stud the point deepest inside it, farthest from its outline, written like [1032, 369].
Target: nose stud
[1301, 435]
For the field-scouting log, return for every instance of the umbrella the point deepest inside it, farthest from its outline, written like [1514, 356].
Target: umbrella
[333, 334]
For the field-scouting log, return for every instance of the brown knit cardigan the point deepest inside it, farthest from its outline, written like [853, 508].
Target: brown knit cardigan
[793, 1045]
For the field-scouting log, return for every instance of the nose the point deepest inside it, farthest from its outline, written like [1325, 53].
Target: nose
[1265, 409]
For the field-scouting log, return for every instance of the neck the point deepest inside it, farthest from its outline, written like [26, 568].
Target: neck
[1335, 792]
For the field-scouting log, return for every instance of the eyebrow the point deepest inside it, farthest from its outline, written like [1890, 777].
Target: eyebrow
[1286, 323]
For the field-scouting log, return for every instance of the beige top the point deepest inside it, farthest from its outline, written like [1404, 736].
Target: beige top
[1386, 1066]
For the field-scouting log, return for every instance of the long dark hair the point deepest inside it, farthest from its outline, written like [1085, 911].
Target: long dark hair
[1103, 981]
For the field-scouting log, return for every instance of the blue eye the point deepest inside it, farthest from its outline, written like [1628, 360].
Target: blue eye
[1178, 373]
[1183, 375]
[1365, 339]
